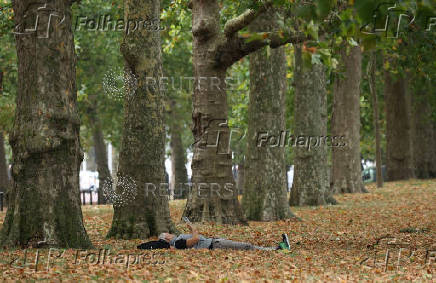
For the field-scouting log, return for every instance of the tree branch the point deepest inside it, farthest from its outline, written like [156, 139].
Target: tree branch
[234, 25]
[237, 47]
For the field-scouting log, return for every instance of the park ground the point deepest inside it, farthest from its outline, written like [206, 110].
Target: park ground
[345, 242]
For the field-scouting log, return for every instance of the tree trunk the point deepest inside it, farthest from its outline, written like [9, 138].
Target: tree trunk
[265, 195]
[433, 152]
[376, 118]
[44, 207]
[115, 161]
[179, 178]
[141, 160]
[423, 134]
[1, 82]
[214, 194]
[346, 165]
[311, 184]
[4, 179]
[240, 180]
[398, 129]
[100, 156]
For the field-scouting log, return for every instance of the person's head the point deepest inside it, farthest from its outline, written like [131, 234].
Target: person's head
[167, 237]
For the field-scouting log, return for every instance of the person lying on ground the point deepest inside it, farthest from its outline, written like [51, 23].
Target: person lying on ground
[197, 241]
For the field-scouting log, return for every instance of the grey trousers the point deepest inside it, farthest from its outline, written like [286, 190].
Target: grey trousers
[228, 244]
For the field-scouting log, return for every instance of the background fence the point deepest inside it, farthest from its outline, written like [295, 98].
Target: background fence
[86, 197]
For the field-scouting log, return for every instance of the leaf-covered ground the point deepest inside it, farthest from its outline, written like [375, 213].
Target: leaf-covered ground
[346, 242]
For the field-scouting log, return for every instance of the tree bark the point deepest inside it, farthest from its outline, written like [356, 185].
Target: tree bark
[44, 207]
[1, 82]
[376, 118]
[4, 179]
[100, 155]
[214, 195]
[346, 165]
[433, 152]
[213, 53]
[311, 184]
[240, 180]
[142, 152]
[179, 178]
[265, 194]
[424, 149]
[399, 159]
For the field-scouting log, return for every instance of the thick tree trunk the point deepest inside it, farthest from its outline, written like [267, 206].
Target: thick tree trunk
[346, 165]
[311, 184]
[399, 159]
[424, 149]
[179, 178]
[141, 159]
[376, 118]
[214, 194]
[265, 195]
[44, 207]
[4, 180]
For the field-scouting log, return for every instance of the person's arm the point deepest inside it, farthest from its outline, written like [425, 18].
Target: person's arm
[194, 239]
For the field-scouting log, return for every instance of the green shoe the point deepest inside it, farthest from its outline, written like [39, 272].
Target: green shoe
[283, 246]
[286, 241]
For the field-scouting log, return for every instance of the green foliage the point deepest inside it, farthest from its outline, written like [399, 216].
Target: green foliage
[8, 65]
[177, 65]
[238, 97]
[98, 54]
